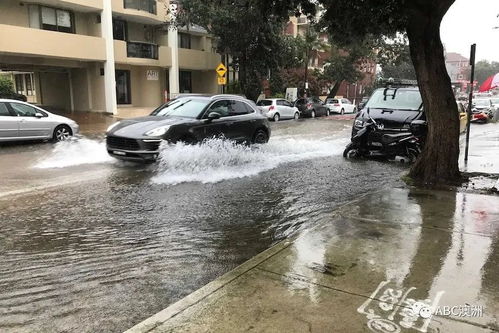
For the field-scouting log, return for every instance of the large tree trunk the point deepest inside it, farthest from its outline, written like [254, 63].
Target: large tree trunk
[334, 89]
[439, 161]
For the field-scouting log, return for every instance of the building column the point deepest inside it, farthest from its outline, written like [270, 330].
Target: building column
[109, 71]
[174, 69]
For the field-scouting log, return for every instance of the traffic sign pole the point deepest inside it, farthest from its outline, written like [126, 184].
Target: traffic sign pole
[470, 102]
[221, 79]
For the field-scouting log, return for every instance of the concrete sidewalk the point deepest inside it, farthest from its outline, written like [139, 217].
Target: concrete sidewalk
[362, 269]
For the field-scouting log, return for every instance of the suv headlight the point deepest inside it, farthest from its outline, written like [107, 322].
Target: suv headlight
[158, 131]
[359, 123]
[112, 126]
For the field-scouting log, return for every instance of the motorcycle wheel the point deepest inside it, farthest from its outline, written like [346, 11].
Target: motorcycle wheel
[350, 152]
[413, 154]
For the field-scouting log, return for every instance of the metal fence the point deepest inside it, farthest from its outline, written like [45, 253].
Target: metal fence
[142, 50]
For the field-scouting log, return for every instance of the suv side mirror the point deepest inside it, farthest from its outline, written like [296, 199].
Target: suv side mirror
[213, 115]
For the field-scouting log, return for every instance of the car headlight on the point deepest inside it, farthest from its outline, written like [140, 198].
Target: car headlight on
[158, 131]
[359, 123]
[112, 126]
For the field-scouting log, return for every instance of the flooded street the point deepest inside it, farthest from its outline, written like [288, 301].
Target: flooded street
[97, 245]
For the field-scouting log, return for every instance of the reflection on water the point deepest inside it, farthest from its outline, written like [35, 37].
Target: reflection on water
[430, 246]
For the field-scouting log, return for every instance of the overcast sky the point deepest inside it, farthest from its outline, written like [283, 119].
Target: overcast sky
[458, 34]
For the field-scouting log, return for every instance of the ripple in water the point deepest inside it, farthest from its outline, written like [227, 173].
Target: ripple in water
[74, 152]
[216, 160]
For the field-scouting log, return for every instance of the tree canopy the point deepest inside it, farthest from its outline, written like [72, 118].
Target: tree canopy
[249, 30]
[484, 69]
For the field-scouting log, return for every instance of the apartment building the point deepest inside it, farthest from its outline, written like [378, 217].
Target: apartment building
[102, 55]
[459, 70]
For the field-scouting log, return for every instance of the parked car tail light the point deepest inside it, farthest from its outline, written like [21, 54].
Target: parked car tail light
[309, 105]
[272, 108]
[336, 104]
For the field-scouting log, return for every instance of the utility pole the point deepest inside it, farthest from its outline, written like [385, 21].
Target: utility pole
[470, 101]
[307, 57]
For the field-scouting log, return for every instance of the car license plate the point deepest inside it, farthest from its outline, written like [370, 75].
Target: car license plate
[117, 152]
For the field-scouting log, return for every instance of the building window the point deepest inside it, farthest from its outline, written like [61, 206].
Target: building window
[120, 29]
[19, 84]
[48, 18]
[185, 82]
[24, 84]
[123, 88]
[184, 41]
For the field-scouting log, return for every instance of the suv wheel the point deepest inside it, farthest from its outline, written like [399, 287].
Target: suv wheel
[276, 117]
[260, 137]
[342, 111]
[312, 114]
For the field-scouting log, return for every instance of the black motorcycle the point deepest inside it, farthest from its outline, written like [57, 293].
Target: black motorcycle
[372, 142]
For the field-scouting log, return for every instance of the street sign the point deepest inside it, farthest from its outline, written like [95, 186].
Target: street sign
[221, 70]
[222, 80]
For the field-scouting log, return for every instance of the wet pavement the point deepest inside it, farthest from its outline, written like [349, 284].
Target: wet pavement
[371, 266]
[90, 244]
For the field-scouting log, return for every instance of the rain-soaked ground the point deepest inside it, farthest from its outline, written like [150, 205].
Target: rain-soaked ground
[90, 244]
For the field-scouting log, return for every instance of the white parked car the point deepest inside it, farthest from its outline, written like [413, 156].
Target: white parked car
[22, 121]
[340, 105]
[277, 109]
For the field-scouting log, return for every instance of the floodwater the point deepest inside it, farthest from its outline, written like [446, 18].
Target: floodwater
[100, 245]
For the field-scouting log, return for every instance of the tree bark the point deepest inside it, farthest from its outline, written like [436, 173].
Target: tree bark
[334, 89]
[439, 161]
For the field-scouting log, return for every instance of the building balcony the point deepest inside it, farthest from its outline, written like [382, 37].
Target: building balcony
[23, 41]
[197, 60]
[142, 54]
[76, 5]
[141, 11]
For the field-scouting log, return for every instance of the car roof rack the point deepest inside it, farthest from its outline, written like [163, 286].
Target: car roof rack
[400, 83]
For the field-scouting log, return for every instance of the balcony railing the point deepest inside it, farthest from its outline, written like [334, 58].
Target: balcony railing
[145, 5]
[142, 50]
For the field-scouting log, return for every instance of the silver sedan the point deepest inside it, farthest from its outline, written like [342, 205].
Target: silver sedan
[22, 121]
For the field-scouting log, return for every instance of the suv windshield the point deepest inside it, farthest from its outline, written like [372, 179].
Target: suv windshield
[182, 107]
[406, 100]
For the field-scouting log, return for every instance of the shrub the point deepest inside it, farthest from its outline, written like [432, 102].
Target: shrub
[6, 85]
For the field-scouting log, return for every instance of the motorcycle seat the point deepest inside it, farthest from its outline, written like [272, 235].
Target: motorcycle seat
[389, 138]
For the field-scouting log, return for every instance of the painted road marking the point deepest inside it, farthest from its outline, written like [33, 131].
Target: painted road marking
[395, 310]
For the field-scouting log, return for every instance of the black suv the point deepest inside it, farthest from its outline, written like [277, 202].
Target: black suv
[188, 119]
[393, 109]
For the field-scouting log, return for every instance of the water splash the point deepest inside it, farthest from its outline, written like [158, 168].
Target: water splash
[74, 152]
[216, 160]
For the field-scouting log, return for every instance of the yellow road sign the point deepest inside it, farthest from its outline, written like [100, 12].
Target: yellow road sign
[222, 80]
[221, 69]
